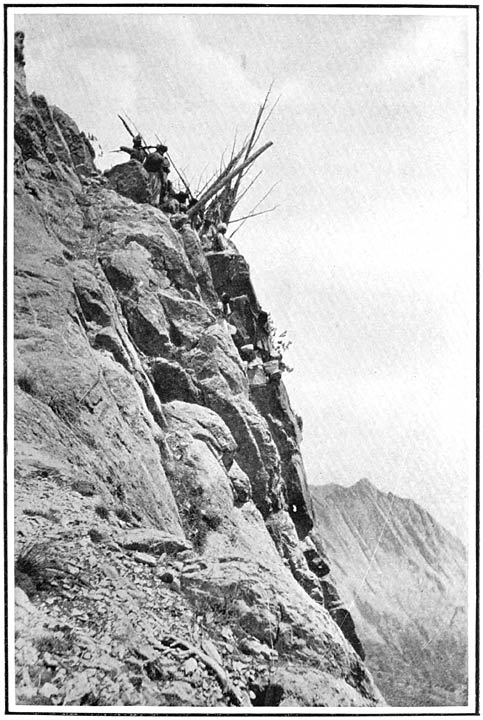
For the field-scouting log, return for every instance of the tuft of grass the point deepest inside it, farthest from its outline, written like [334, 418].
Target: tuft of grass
[85, 487]
[46, 473]
[188, 500]
[33, 567]
[102, 512]
[26, 382]
[196, 522]
[65, 407]
[123, 514]
[188, 495]
[86, 438]
[50, 514]
[212, 519]
[55, 644]
[215, 610]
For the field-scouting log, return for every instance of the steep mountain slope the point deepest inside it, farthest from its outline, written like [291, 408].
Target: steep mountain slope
[161, 505]
[403, 577]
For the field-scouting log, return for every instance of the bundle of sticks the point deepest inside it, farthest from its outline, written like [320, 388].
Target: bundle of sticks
[224, 188]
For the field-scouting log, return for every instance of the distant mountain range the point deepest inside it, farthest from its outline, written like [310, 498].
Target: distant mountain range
[404, 580]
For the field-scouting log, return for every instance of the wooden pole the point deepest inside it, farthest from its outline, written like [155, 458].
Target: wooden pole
[126, 125]
[221, 183]
[206, 190]
[267, 119]
[251, 144]
[247, 217]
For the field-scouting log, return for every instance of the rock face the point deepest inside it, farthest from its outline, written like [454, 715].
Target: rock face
[404, 578]
[162, 508]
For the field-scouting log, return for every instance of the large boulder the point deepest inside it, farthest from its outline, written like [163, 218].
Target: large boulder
[131, 180]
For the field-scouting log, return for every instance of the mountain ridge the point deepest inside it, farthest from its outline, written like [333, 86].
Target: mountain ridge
[403, 578]
[325, 489]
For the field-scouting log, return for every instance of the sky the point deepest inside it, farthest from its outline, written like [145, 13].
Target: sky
[368, 262]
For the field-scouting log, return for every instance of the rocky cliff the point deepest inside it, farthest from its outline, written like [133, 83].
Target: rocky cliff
[404, 577]
[161, 505]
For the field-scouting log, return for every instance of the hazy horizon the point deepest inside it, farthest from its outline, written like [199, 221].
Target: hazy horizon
[369, 262]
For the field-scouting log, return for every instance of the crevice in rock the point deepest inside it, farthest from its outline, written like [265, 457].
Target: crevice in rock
[92, 306]
[174, 335]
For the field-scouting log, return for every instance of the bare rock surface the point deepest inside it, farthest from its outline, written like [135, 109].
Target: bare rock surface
[158, 558]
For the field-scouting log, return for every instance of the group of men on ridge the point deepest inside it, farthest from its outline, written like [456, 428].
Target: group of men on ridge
[212, 231]
[163, 195]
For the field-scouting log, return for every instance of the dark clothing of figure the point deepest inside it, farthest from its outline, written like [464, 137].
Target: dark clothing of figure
[169, 205]
[155, 195]
[225, 300]
[134, 153]
[154, 162]
[158, 166]
[262, 337]
[213, 214]
[182, 198]
[197, 221]
[138, 154]
[219, 244]
[227, 198]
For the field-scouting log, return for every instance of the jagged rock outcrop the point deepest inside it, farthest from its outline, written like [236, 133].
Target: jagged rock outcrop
[404, 578]
[49, 140]
[160, 505]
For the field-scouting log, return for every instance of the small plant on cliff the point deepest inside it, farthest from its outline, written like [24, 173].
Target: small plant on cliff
[26, 382]
[217, 610]
[56, 644]
[102, 511]
[123, 513]
[196, 521]
[65, 407]
[280, 344]
[188, 501]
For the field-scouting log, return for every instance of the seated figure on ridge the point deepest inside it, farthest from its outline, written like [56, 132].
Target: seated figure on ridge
[219, 240]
